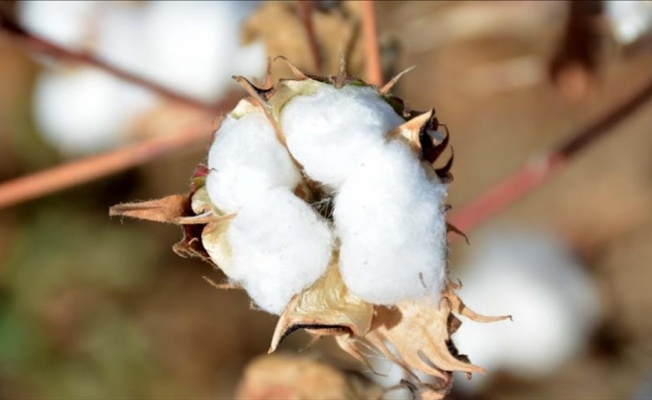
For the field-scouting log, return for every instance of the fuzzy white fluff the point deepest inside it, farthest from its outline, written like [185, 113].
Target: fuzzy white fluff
[390, 221]
[330, 131]
[246, 160]
[533, 277]
[63, 22]
[84, 111]
[192, 47]
[279, 247]
[630, 20]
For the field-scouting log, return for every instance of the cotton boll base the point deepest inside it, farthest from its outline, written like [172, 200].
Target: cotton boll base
[245, 161]
[330, 131]
[279, 246]
[390, 220]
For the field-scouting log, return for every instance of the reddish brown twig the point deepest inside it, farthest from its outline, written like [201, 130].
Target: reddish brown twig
[372, 49]
[42, 45]
[538, 171]
[306, 10]
[95, 167]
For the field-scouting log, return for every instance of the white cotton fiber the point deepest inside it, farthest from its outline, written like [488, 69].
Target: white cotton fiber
[533, 277]
[245, 160]
[279, 246]
[85, 111]
[330, 131]
[193, 46]
[63, 22]
[390, 220]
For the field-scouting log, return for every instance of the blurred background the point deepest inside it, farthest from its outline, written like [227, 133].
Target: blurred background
[93, 307]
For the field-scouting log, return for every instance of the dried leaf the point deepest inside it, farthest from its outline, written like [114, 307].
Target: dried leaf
[167, 210]
[325, 308]
[419, 334]
[458, 307]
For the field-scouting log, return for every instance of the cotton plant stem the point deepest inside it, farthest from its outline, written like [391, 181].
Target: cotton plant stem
[41, 45]
[539, 170]
[91, 168]
[372, 49]
[306, 11]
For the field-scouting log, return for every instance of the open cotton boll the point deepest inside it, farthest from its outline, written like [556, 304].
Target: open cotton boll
[629, 20]
[246, 160]
[85, 110]
[279, 246]
[552, 300]
[63, 22]
[192, 45]
[390, 220]
[330, 131]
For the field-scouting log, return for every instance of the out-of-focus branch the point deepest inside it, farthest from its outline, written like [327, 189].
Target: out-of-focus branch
[372, 49]
[41, 45]
[85, 170]
[539, 170]
[306, 10]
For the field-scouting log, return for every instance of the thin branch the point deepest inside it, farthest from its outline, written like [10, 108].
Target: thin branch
[306, 10]
[41, 45]
[540, 170]
[85, 170]
[372, 49]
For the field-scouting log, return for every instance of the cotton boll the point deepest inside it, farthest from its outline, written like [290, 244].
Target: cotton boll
[119, 38]
[83, 111]
[246, 160]
[279, 247]
[63, 22]
[330, 131]
[534, 278]
[630, 20]
[191, 46]
[390, 220]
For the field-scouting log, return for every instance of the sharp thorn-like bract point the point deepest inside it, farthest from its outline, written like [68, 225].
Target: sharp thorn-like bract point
[222, 286]
[168, 209]
[342, 76]
[452, 228]
[260, 94]
[390, 85]
[411, 129]
[268, 83]
[295, 70]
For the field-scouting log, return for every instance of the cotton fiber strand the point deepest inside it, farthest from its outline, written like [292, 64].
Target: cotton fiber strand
[279, 247]
[330, 131]
[390, 220]
[245, 160]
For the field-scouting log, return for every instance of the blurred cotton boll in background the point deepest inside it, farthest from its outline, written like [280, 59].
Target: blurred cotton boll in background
[630, 20]
[536, 279]
[85, 110]
[190, 47]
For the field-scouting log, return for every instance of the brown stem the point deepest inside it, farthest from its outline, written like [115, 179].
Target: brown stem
[538, 171]
[306, 10]
[372, 49]
[42, 45]
[95, 167]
